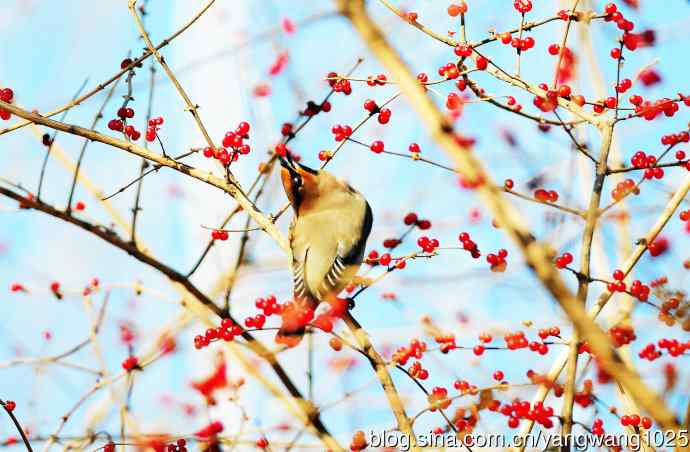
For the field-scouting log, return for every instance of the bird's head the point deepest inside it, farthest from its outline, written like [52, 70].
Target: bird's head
[304, 186]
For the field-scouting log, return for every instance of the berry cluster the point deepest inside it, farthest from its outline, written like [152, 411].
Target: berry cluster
[226, 331]
[257, 321]
[543, 195]
[658, 246]
[269, 305]
[219, 234]
[618, 285]
[634, 420]
[524, 410]
[539, 347]
[623, 85]
[378, 80]
[341, 132]
[564, 260]
[374, 259]
[338, 84]
[549, 101]
[521, 44]
[233, 140]
[674, 348]
[438, 399]
[6, 95]
[515, 341]
[210, 430]
[554, 331]
[454, 103]
[641, 160]
[613, 15]
[412, 219]
[466, 425]
[450, 70]
[119, 124]
[415, 350]
[624, 188]
[585, 398]
[325, 155]
[427, 244]
[497, 261]
[446, 342]
[649, 352]
[384, 114]
[131, 363]
[417, 371]
[674, 138]
[455, 9]
[649, 110]
[639, 290]
[469, 245]
[622, 335]
[153, 128]
[464, 387]
[522, 6]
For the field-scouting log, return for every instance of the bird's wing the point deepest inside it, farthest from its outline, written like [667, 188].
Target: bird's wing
[300, 251]
[338, 262]
[326, 252]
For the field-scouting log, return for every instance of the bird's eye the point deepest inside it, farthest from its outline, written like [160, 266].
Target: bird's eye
[296, 181]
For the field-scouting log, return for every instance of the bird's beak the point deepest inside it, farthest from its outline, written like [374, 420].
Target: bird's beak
[295, 168]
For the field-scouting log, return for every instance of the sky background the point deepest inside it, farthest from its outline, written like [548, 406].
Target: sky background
[49, 49]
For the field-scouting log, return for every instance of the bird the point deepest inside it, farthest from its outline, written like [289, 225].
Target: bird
[328, 235]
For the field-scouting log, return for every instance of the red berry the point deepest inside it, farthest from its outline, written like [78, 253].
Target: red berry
[243, 128]
[410, 218]
[377, 146]
[116, 124]
[6, 95]
[385, 259]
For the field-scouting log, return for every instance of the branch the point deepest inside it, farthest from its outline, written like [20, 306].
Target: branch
[10, 413]
[605, 296]
[310, 413]
[124, 70]
[229, 187]
[379, 365]
[507, 217]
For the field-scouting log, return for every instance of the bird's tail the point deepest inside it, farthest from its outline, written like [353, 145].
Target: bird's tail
[295, 318]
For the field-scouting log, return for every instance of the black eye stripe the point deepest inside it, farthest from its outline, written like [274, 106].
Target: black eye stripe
[296, 192]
